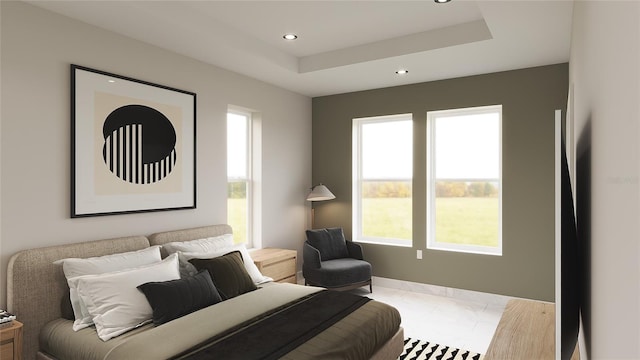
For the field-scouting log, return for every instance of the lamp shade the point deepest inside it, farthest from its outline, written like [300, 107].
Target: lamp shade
[320, 193]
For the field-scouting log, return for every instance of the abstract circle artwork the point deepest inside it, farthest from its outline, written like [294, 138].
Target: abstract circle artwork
[139, 144]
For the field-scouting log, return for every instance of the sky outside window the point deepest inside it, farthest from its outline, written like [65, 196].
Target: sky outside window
[386, 151]
[237, 146]
[468, 146]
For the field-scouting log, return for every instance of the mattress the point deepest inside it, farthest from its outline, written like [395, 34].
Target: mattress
[357, 336]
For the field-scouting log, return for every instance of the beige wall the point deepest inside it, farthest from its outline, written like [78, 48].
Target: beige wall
[37, 48]
[529, 98]
[605, 73]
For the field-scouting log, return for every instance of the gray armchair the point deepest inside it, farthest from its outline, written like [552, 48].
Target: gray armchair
[332, 262]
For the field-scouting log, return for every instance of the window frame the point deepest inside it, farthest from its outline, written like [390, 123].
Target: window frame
[249, 243]
[357, 169]
[432, 243]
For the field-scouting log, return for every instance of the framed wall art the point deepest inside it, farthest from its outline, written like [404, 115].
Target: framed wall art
[133, 145]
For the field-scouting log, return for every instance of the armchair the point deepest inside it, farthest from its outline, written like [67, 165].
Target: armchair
[332, 262]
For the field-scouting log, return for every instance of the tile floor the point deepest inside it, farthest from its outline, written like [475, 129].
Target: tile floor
[465, 324]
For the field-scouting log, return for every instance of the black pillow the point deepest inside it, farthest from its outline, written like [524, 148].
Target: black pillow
[66, 310]
[228, 273]
[175, 298]
[330, 242]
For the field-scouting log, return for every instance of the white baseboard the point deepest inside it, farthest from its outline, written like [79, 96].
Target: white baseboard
[461, 294]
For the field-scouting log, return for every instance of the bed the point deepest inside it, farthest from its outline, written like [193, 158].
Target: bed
[38, 293]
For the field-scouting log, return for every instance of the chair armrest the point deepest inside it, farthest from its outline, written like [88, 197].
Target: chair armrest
[310, 256]
[355, 250]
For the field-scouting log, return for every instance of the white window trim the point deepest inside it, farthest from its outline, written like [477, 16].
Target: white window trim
[432, 244]
[250, 243]
[357, 181]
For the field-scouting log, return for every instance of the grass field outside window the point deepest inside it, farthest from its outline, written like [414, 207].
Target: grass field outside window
[467, 220]
[237, 218]
[463, 220]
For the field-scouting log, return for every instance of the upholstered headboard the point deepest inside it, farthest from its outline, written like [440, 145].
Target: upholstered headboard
[36, 287]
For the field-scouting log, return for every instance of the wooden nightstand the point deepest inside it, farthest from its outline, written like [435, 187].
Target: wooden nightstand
[11, 341]
[278, 264]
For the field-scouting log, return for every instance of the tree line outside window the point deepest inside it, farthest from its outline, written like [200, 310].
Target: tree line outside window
[396, 189]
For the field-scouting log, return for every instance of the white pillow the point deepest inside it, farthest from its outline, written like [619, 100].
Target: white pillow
[249, 265]
[114, 301]
[200, 245]
[74, 267]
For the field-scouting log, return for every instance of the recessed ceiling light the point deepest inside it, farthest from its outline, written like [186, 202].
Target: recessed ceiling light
[111, 80]
[402, 72]
[441, 1]
[290, 36]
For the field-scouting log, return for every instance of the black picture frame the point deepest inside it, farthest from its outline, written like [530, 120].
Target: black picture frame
[133, 145]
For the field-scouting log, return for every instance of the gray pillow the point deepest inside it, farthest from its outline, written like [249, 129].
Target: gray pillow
[175, 298]
[228, 274]
[330, 242]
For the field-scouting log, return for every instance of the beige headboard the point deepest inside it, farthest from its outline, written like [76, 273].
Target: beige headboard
[36, 287]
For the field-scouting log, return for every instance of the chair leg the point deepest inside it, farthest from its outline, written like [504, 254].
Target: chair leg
[370, 287]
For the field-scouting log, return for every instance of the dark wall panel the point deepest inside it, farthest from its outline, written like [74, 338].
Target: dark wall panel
[529, 98]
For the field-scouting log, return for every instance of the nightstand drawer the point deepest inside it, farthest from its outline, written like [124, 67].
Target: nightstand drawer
[6, 351]
[278, 264]
[11, 341]
[291, 280]
[280, 270]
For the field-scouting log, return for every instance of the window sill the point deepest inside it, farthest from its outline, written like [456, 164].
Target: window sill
[386, 242]
[477, 250]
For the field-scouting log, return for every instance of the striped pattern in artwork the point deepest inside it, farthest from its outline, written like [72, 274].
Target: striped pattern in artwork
[122, 154]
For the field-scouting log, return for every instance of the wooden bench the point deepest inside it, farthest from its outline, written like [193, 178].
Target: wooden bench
[526, 331]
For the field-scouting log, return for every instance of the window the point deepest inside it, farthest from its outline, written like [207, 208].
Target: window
[382, 179]
[464, 180]
[239, 182]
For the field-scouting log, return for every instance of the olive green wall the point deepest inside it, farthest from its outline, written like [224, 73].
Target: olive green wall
[529, 98]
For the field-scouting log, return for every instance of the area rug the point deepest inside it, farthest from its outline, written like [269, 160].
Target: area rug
[423, 350]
